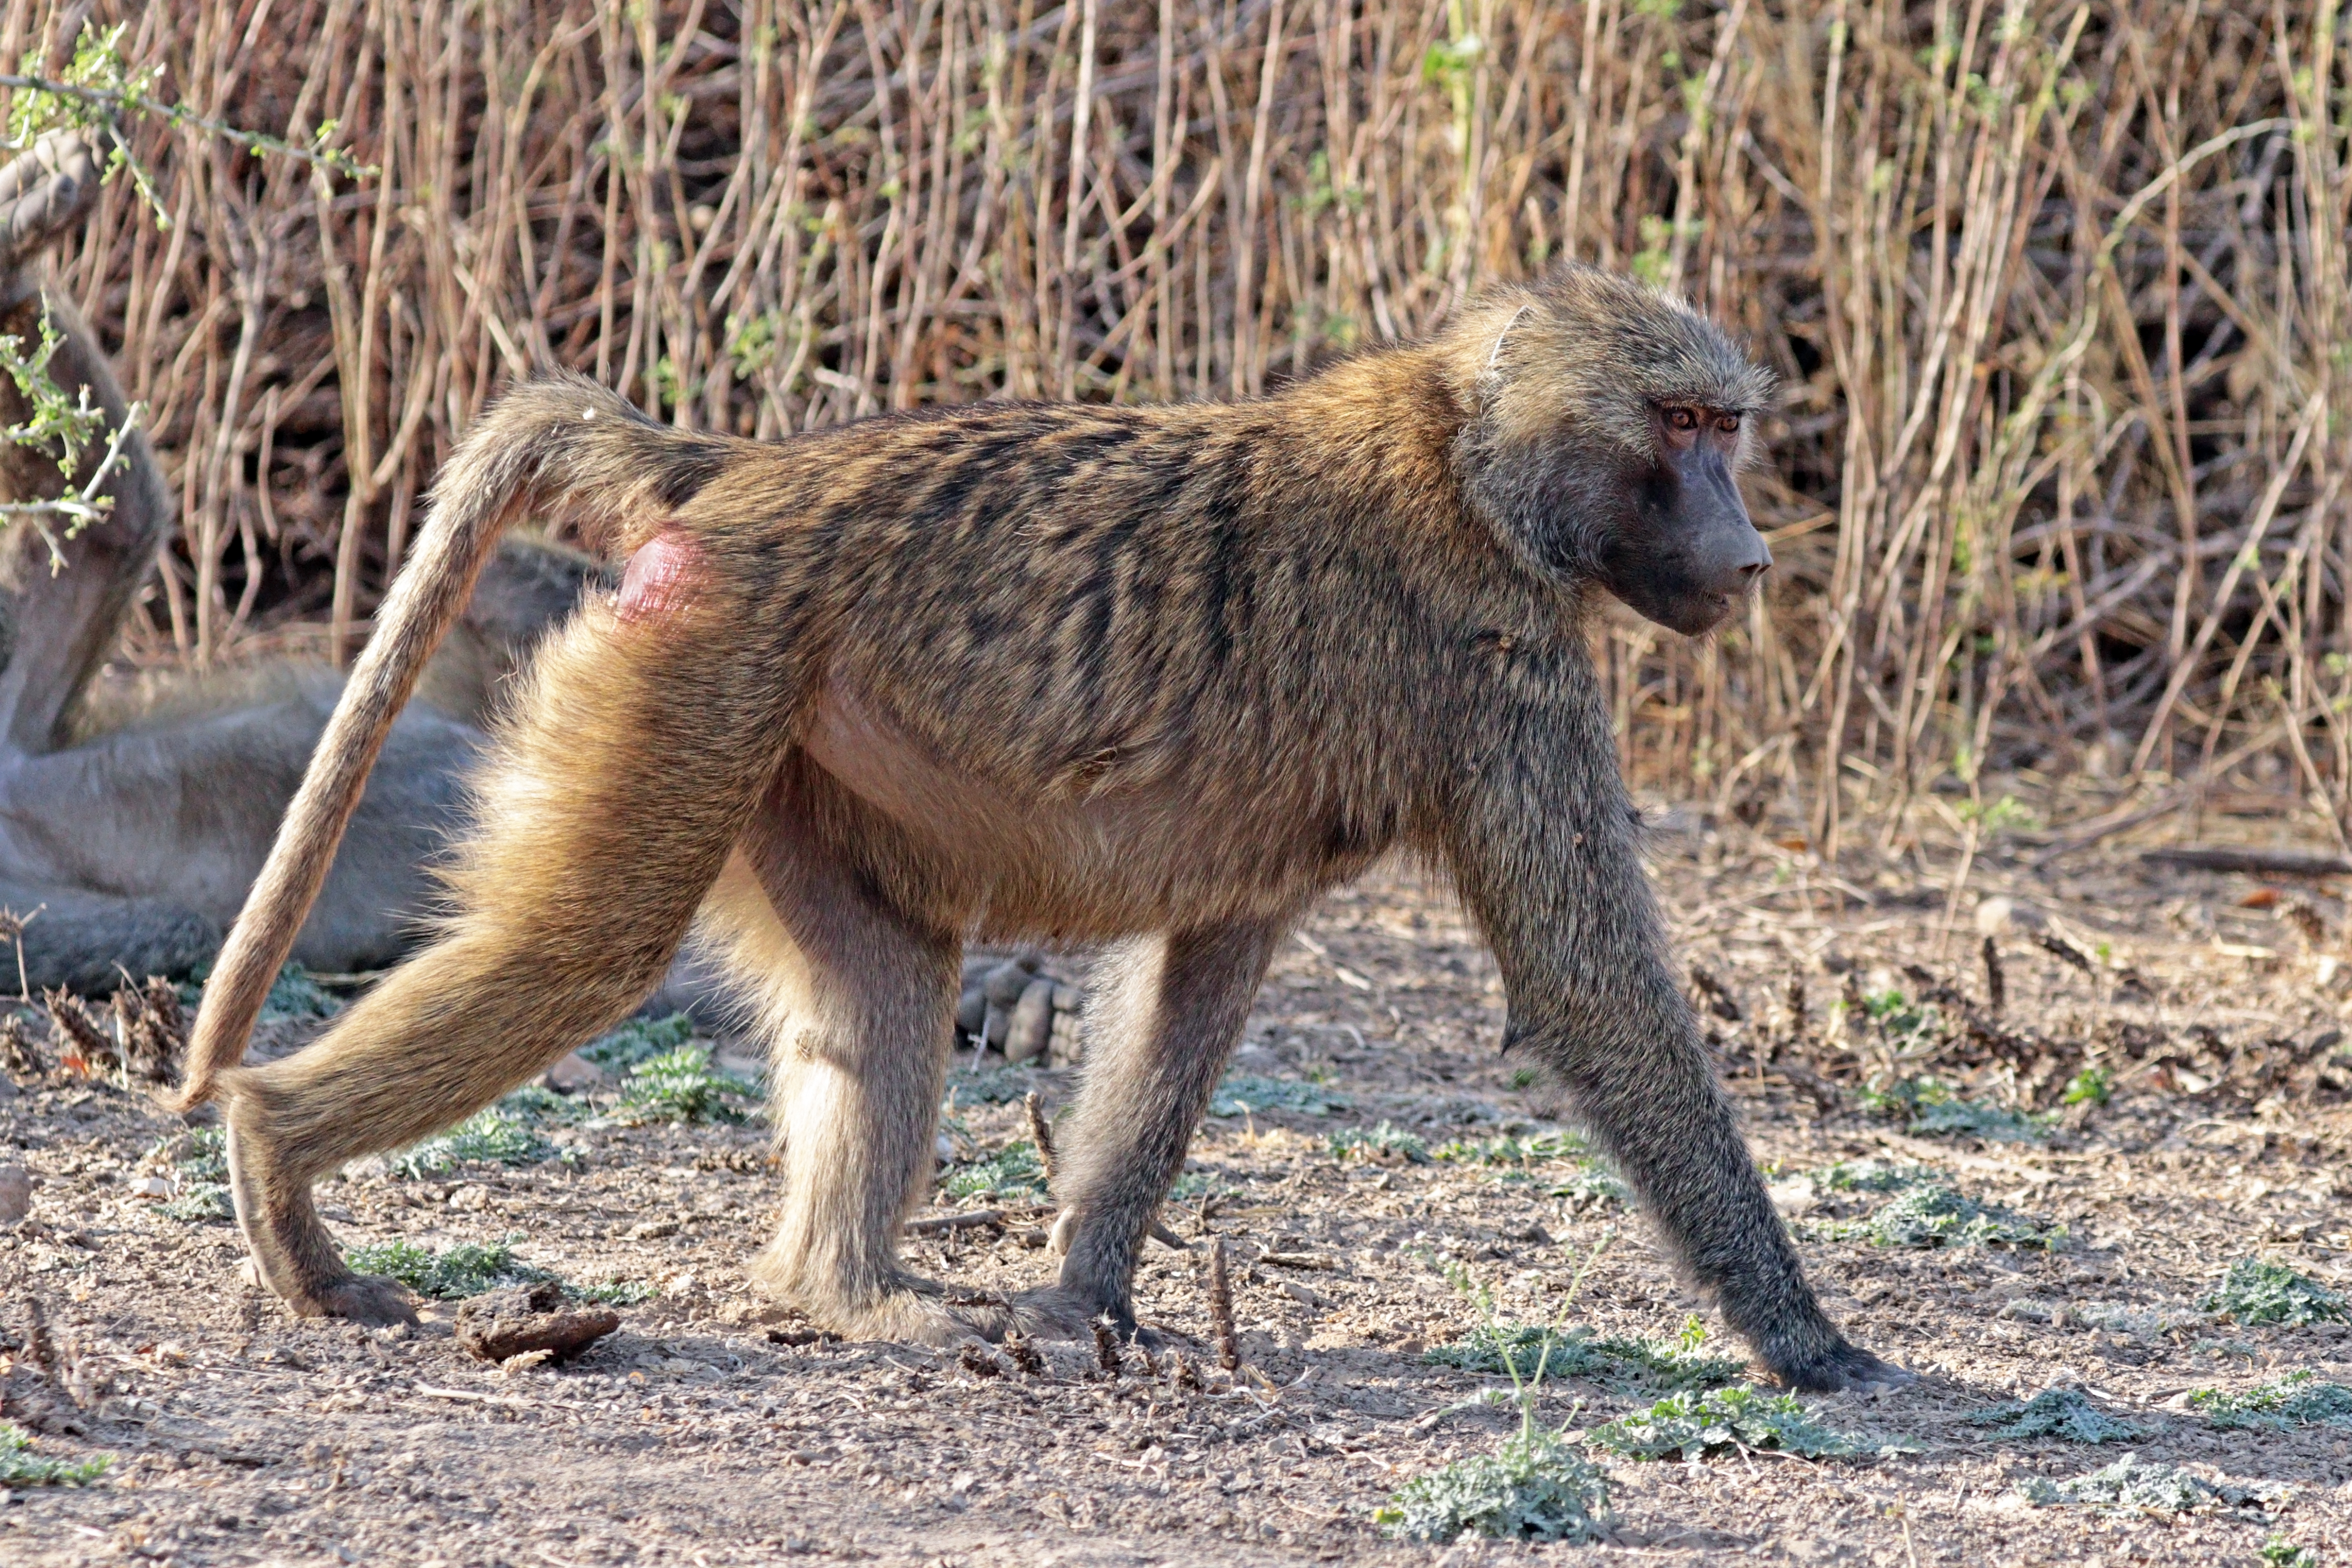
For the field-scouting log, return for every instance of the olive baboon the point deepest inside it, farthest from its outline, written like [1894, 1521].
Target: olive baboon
[1151, 675]
[135, 819]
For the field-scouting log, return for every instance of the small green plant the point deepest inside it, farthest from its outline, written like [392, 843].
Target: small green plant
[638, 1040]
[2258, 1290]
[1697, 1422]
[1242, 1095]
[1593, 1186]
[614, 1293]
[1385, 1140]
[2089, 1086]
[683, 1085]
[492, 1135]
[2298, 1399]
[1012, 1169]
[1873, 1176]
[1543, 1148]
[1527, 1351]
[468, 1268]
[199, 1162]
[2065, 1414]
[1537, 1487]
[20, 1467]
[2278, 1551]
[2128, 1486]
[1933, 1215]
[1193, 1186]
[1930, 1108]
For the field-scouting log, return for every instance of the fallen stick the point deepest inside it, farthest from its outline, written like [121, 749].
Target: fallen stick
[2255, 862]
[936, 1223]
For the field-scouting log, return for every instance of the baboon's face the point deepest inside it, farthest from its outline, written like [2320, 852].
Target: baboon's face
[1684, 552]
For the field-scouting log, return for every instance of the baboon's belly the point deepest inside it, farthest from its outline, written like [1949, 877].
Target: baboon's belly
[1085, 867]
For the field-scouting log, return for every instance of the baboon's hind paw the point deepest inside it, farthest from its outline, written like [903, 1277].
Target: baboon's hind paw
[366, 1299]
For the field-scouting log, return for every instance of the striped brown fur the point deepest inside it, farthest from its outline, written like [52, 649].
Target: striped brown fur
[1154, 677]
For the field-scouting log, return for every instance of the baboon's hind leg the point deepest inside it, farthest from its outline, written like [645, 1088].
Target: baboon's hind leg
[1165, 1015]
[860, 997]
[607, 817]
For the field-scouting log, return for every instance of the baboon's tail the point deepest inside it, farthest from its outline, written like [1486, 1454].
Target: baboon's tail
[562, 445]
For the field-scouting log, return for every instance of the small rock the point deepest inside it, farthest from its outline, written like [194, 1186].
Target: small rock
[571, 1074]
[151, 1188]
[652, 1231]
[1997, 915]
[508, 1323]
[1031, 1026]
[1067, 999]
[972, 1007]
[15, 1193]
[470, 1197]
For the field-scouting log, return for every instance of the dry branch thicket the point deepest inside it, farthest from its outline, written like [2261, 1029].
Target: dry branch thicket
[2058, 289]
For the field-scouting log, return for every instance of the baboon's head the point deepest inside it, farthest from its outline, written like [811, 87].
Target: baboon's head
[1607, 423]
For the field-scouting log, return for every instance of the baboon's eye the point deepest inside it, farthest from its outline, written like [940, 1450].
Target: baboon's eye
[1681, 419]
[1728, 423]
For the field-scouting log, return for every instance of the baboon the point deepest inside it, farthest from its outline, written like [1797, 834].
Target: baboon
[1150, 677]
[133, 818]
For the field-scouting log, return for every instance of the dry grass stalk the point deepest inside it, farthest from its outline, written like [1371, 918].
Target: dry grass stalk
[1221, 1308]
[2057, 288]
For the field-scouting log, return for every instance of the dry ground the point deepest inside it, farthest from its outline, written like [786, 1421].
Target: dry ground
[703, 1433]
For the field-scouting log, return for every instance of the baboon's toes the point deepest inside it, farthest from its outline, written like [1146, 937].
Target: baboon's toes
[1058, 1312]
[368, 1299]
[1847, 1367]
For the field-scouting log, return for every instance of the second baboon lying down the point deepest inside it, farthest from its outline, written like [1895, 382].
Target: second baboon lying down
[133, 817]
[1155, 676]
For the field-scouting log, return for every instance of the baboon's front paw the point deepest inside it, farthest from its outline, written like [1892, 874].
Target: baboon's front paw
[368, 1299]
[1058, 1312]
[1844, 1366]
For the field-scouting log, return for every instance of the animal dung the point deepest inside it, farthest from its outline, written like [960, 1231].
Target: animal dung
[508, 1324]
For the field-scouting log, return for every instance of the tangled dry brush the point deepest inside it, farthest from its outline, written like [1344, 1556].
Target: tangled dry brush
[2058, 289]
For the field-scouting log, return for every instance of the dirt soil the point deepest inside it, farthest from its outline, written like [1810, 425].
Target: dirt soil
[715, 1428]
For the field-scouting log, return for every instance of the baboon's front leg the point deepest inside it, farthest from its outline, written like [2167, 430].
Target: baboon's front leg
[1545, 858]
[1164, 1012]
[860, 999]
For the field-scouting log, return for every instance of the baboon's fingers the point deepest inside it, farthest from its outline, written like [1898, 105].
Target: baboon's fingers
[43, 193]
